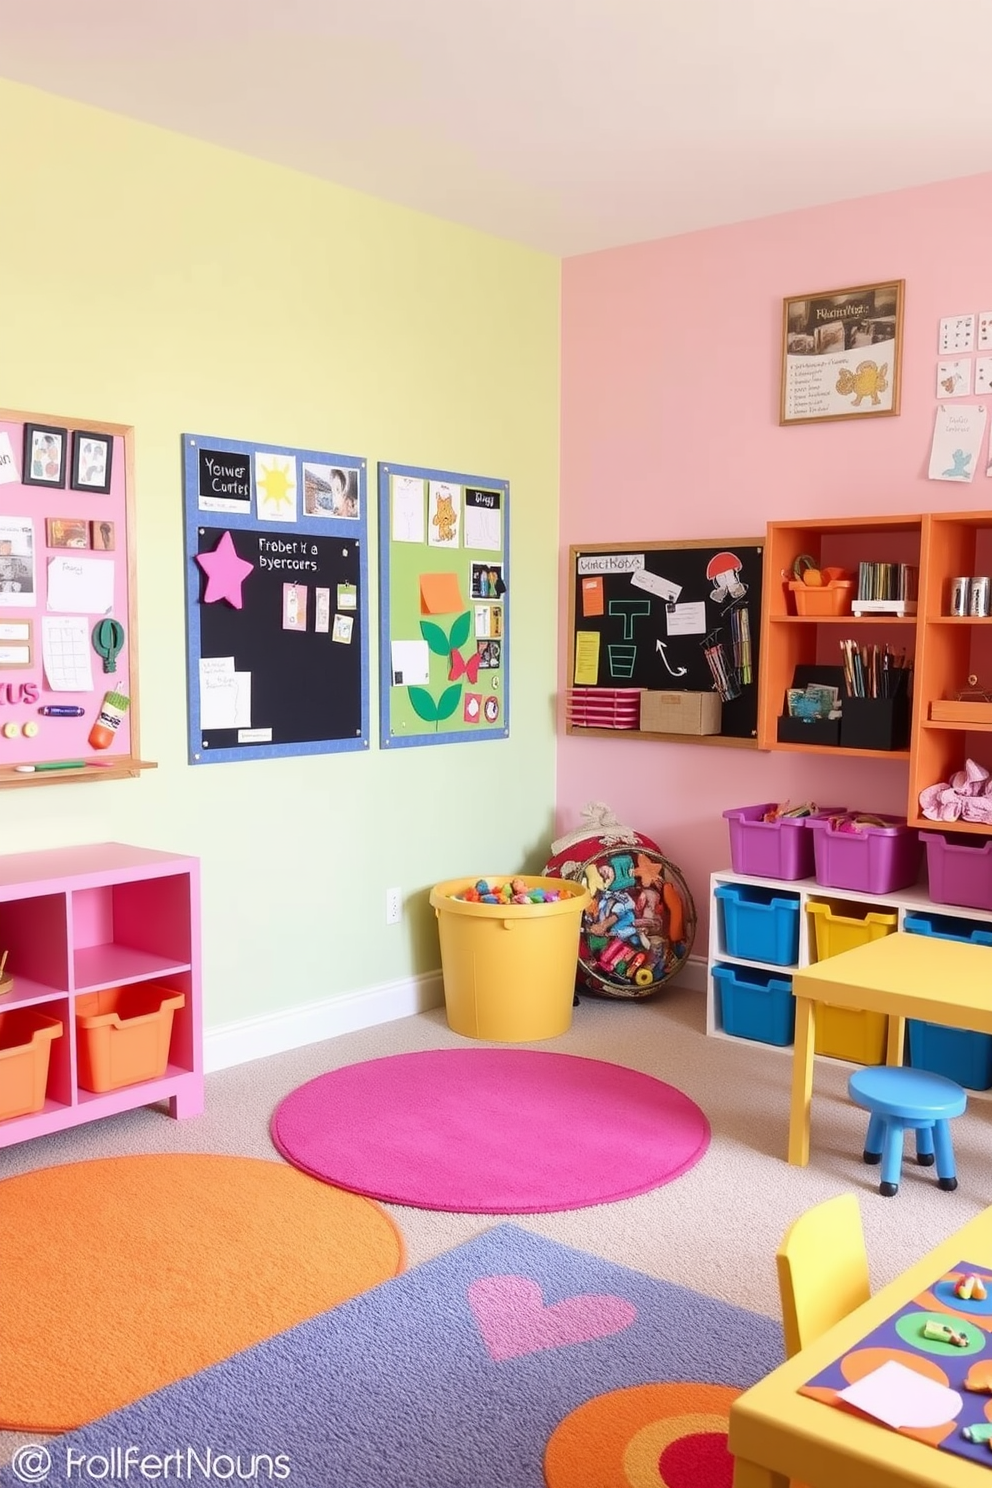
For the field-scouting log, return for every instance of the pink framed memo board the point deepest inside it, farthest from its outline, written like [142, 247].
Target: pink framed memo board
[68, 667]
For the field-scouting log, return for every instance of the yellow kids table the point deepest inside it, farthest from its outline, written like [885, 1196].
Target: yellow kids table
[902, 976]
[776, 1434]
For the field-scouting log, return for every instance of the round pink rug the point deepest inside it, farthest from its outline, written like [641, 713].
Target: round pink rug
[490, 1131]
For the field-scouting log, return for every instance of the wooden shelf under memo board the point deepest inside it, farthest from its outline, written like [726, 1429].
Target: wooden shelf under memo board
[68, 638]
[444, 607]
[276, 600]
[646, 615]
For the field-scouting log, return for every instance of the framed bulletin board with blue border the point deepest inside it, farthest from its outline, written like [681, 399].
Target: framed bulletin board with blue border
[444, 606]
[276, 600]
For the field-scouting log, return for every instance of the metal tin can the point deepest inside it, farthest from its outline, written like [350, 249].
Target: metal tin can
[960, 595]
[979, 596]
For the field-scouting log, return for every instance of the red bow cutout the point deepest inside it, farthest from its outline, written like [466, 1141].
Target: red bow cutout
[459, 665]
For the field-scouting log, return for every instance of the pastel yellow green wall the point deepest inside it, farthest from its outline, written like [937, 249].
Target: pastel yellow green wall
[155, 281]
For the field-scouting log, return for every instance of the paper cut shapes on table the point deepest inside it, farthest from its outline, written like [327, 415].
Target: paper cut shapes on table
[901, 1397]
[225, 572]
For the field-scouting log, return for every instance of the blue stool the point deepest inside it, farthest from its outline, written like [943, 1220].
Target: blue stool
[900, 1099]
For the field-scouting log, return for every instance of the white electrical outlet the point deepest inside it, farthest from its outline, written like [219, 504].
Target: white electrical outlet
[394, 906]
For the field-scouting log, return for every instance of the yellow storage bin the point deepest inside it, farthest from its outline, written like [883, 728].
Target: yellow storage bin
[849, 1033]
[509, 969]
[839, 928]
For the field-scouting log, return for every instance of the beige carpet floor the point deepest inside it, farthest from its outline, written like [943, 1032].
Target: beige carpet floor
[715, 1229]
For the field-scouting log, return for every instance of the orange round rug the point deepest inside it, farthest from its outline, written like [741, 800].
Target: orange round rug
[125, 1274]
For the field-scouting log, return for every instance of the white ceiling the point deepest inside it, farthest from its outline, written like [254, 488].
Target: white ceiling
[567, 125]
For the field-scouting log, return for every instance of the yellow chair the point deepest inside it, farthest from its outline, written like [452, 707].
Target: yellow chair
[822, 1270]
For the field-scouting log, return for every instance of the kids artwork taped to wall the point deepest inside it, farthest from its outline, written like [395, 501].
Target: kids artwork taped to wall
[444, 606]
[842, 353]
[276, 600]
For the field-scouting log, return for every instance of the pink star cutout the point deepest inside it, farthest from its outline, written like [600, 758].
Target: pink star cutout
[225, 572]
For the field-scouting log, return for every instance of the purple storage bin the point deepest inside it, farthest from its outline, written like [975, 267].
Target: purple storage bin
[959, 871]
[875, 860]
[778, 849]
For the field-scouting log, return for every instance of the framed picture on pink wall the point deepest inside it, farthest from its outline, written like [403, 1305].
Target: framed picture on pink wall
[91, 457]
[842, 353]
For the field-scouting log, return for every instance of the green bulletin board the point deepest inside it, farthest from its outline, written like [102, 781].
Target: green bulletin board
[444, 605]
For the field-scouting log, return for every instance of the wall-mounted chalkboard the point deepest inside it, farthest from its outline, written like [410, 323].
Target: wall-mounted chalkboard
[668, 617]
[444, 606]
[276, 600]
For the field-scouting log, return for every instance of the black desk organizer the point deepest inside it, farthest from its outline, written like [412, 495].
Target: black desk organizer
[815, 730]
[875, 723]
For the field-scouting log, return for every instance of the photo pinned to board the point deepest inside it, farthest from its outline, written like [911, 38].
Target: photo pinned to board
[92, 457]
[343, 630]
[330, 491]
[488, 621]
[445, 504]
[294, 606]
[44, 455]
[17, 577]
[275, 487]
[487, 581]
[489, 654]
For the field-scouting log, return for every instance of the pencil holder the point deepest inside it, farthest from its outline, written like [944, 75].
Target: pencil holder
[875, 723]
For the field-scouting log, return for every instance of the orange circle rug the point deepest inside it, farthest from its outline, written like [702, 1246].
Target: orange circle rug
[126, 1274]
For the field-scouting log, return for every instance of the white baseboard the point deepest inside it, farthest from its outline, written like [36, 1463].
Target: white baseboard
[294, 1028]
[693, 974]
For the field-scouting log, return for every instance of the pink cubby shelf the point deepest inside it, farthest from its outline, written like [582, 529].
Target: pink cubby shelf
[79, 919]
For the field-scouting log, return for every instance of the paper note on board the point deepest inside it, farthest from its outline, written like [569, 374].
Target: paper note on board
[901, 1397]
[225, 695]
[81, 585]
[8, 465]
[482, 520]
[586, 658]
[957, 437]
[440, 594]
[592, 595]
[66, 652]
[410, 663]
[687, 619]
[408, 494]
[655, 584]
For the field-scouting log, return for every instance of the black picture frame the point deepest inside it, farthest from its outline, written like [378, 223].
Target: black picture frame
[38, 458]
[92, 458]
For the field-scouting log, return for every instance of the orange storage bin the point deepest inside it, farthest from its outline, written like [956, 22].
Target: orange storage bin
[123, 1035]
[25, 1048]
[833, 598]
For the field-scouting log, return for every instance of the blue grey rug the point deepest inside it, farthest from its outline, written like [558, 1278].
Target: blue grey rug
[453, 1375]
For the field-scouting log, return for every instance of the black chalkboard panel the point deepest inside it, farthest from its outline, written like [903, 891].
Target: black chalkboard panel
[277, 629]
[670, 617]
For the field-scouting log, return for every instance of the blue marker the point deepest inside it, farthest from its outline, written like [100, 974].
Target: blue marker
[62, 712]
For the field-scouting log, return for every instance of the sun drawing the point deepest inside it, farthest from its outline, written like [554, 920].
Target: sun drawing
[278, 481]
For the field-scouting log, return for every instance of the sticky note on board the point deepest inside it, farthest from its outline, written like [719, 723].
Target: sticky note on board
[592, 595]
[439, 594]
[586, 658]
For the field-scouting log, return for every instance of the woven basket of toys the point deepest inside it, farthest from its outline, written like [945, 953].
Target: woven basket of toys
[639, 926]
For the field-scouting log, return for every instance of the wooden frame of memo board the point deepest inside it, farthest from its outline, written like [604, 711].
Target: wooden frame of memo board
[68, 613]
[665, 616]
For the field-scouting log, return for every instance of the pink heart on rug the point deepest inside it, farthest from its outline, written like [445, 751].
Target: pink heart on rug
[512, 1317]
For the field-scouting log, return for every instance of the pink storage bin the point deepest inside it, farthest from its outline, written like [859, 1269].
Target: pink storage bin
[778, 849]
[959, 871]
[874, 860]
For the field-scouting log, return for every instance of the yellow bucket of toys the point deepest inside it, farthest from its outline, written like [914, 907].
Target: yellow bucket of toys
[509, 969]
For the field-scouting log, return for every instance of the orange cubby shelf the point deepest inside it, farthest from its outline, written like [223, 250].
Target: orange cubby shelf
[789, 640]
[950, 650]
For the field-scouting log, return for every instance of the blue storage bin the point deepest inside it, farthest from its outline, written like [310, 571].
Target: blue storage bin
[759, 924]
[957, 1053]
[949, 927]
[756, 1004]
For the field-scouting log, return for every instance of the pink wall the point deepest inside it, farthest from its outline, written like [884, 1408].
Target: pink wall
[670, 390]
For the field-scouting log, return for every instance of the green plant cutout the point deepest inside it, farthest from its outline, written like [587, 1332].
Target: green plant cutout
[441, 643]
